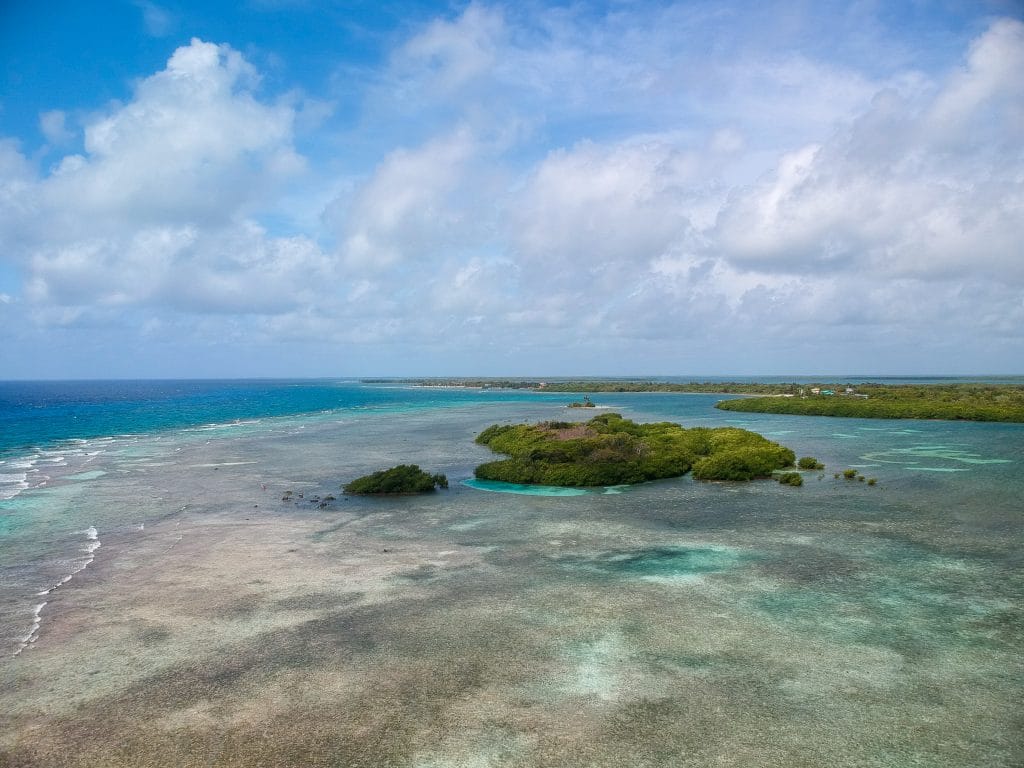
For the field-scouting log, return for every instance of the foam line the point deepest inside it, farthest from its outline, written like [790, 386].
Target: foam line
[92, 543]
[33, 634]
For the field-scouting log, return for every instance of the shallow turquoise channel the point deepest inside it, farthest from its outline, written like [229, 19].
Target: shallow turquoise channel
[496, 486]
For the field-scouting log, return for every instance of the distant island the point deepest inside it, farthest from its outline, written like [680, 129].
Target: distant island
[960, 401]
[401, 480]
[963, 402]
[594, 386]
[611, 450]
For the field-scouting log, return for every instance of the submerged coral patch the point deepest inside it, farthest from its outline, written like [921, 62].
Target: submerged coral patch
[933, 453]
[656, 562]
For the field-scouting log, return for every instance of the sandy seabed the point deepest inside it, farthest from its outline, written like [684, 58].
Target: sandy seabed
[676, 624]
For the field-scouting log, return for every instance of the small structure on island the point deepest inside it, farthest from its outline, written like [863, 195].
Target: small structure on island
[815, 390]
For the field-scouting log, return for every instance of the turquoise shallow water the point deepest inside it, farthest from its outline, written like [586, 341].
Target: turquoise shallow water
[183, 588]
[495, 486]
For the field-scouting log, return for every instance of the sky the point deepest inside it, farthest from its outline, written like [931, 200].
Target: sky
[290, 188]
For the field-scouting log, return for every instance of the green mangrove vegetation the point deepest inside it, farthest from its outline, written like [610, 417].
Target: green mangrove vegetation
[611, 450]
[964, 402]
[791, 478]
[853, 474]
[403, 479]
[809, 462]
[586, 403]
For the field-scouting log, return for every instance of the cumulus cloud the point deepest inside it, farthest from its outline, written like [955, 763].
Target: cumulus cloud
[157, 210]
[193, 144]
[880, 225]
[238, 270]
[416, 202]
[591, 217]
[888, 194]
[987, 89]
[602, 184]
[449, 56]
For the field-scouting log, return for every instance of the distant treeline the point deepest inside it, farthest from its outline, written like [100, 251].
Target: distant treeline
[710, 387]
[964, 402]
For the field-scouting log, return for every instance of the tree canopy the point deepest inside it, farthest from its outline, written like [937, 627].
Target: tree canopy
[611, 450]
[964, 402]
[405, 478]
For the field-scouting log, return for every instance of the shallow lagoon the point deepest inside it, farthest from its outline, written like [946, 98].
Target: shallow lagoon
[677, 623]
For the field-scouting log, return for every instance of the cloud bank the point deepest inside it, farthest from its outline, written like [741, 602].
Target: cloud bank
[548, 195]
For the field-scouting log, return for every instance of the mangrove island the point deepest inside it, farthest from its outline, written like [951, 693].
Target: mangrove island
[611, 450]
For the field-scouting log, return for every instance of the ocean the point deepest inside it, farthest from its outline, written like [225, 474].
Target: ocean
[183, 583]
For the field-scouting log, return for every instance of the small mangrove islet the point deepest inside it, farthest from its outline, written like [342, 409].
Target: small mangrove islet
[401, 480]
[791, 478]
[611, 450]
[585, 403]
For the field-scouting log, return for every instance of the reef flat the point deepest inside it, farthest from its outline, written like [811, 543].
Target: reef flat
[674, 623]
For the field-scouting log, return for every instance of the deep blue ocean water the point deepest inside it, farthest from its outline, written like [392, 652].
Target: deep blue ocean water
[38, 413]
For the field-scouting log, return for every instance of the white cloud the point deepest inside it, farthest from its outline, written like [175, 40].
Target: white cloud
[158, 210]
[597, 207]
[53, 124]
[632, 183]
[158, 21]
[887, 194]
[641, 238]
[194, 144]
[238, 270]
[449, 56]
[988, 88]
[417, 203]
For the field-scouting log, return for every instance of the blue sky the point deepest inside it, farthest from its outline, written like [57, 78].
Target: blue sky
[293, 188]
